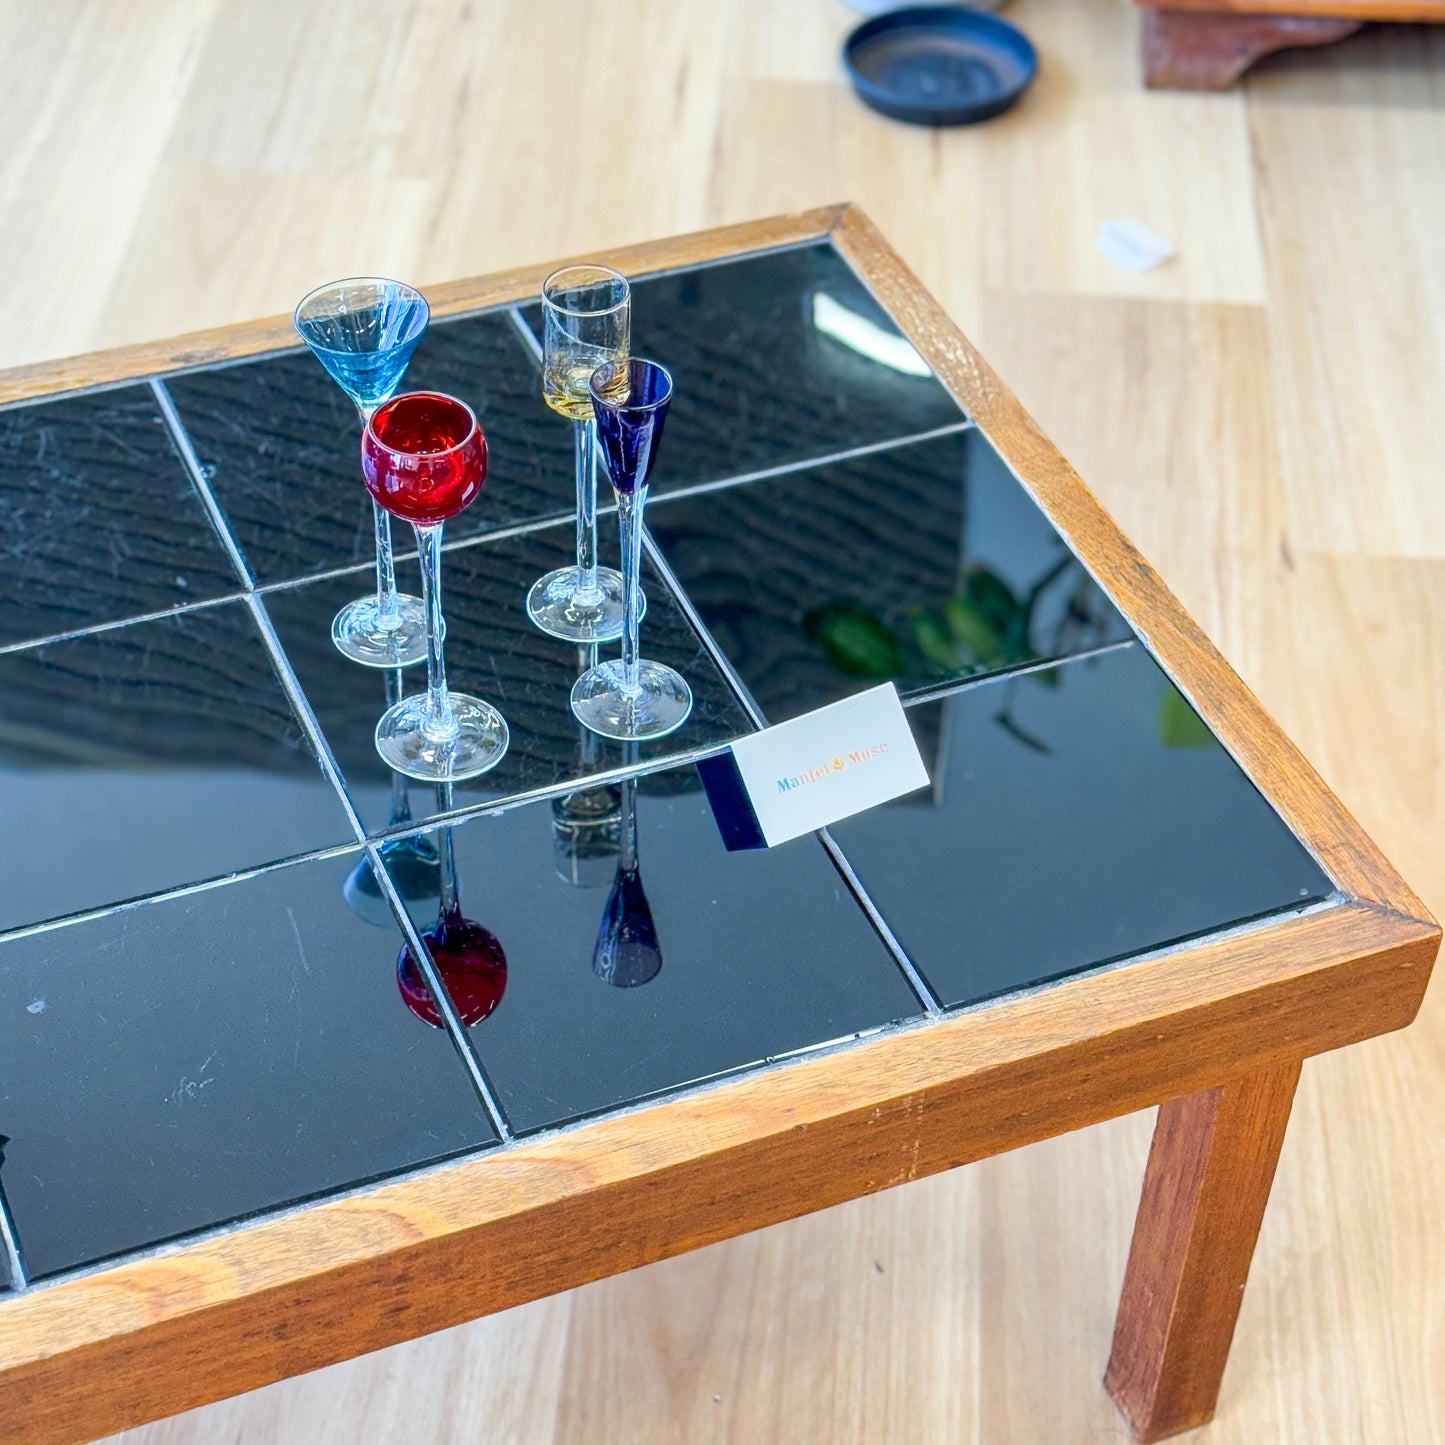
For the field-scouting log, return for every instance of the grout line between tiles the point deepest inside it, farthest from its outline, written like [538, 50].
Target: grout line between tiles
[300, 704]
[916, 981]
[403, 553]
[528, 335]
[954, 685]
[920, 985]
[479, 539]
[180, 610]
[807, 464]
[490, 807]
[184, 890]
[200, 481]
[486, 807]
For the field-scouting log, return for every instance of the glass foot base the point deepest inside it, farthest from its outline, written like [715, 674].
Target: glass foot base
[661, 705]
[552, 604]
[479, 743]
[358, 634]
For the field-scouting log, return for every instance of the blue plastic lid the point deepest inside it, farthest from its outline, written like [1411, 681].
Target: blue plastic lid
[939, 64]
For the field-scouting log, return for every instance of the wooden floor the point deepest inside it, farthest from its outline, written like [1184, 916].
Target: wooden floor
[1265, 416]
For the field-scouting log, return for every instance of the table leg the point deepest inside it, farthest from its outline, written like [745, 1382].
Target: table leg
[1210, 50]
[1210, 1169]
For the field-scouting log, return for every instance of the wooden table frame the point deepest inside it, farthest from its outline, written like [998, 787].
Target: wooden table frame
[1214, 1031]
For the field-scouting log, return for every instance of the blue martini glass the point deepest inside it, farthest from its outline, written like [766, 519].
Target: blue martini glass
[631, 698]
[364, 331]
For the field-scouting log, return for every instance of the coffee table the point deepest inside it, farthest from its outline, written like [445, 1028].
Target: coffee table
[240, 1146]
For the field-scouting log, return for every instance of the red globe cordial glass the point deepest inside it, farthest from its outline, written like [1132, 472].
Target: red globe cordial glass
[425, 459]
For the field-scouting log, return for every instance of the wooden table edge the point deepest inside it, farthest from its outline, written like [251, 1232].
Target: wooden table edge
[247, 1306]
[478, 293]
[285, 1295]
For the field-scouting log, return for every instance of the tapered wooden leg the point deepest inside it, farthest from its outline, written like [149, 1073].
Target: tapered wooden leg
[1197, 50]
[1210, 1169]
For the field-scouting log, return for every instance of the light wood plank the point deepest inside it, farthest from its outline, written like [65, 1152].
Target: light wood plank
[1341, 1335]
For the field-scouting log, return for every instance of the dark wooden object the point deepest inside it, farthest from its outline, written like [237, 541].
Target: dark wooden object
[1209, 44]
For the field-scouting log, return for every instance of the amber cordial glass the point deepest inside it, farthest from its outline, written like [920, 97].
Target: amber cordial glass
[586, 321]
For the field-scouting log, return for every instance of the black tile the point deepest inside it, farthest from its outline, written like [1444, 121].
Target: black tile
[758, 383]
[281, 445]
[917, 564]
[100, 519]
[1077, 815]
[193, 1060]
[150, 756]
[761, 954]
[493, 651]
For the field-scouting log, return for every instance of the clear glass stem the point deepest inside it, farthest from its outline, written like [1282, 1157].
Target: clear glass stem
[438, 722]
[629, 516]
[388, 610]
[450, 901]
[584, 447]
[400, 795]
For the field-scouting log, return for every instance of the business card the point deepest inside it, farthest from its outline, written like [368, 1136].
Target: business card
[814, 770]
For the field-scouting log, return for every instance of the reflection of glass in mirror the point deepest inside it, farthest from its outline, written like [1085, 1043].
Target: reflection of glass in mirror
[585, 833]
[469, 958]
[627, 952]
[585, 822]
[471, 963]
[413, 862]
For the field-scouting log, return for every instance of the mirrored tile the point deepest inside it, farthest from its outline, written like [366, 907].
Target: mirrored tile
[197, 1059]
[494, 652]
[1077, 815]
[776, 357]
[147, 757]
[281, 445]
[916, 564]
[99, 516]
[654, 960]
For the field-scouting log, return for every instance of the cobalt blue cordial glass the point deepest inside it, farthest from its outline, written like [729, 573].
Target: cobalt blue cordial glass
[631, 698]
[364, 331]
